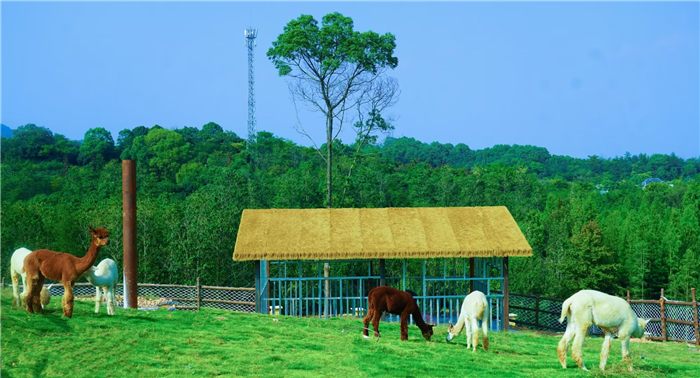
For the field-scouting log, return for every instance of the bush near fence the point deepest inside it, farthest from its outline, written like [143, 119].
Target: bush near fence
[669, 320]
[181, 297]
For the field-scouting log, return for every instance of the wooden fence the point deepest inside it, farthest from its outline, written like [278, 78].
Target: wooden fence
[180, 297]
[668, 320]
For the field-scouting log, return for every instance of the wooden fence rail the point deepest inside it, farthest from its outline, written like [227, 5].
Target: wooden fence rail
[192, 295]
[530, 313]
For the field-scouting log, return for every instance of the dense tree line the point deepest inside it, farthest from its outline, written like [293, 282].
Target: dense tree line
[589, 222]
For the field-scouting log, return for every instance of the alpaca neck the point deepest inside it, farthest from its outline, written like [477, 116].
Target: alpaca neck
[85, 262]
[418, 318]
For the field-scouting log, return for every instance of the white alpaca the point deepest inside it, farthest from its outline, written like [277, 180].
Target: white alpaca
[610, 313]
[104, 277]
[475, 306]
[17, 271]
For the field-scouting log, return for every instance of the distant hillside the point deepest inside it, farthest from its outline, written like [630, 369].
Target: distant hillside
[6, 131]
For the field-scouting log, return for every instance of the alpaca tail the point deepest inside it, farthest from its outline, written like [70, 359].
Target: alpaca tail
[485, 320]
[565, 310]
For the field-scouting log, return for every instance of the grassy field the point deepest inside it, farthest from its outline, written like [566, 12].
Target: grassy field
[221, 343]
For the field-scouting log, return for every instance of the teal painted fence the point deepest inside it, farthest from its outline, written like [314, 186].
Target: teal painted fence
[297, 288]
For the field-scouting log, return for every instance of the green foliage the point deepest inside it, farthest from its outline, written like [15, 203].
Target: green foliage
[193, 185]
[321, 52]
[97, 147]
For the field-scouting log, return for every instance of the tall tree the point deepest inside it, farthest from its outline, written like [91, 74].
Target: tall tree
[97, 147]
[331, 68]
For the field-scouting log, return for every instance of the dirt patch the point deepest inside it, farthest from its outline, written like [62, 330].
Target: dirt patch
[142, 301]
[643, 340]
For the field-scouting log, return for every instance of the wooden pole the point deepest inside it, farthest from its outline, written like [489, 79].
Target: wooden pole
[506, 310]
[662, 302]
[628, 297]
[537, 312]
[199, 295]
[471, 273]
[382, 272]
[258, 288]
[695, 317]
[129, 216]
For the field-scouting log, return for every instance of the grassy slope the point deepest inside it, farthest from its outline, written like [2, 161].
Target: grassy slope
[217, 342]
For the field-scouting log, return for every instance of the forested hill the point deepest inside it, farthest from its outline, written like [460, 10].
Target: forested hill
[589, 221]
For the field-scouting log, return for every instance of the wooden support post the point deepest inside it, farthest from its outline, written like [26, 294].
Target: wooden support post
[537, 312]
[267, 280]
[129, 238]
[695, 317]
[199, 295]
[472, 261]
[382, 272]
[628, 297]
[506, 309]
[258, 287]
[662, 302]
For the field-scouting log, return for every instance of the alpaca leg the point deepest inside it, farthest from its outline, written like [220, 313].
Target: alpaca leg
[625, 341]
[404, 326]
[98, 299]
[111, 302]
[366, 320]
[564, 344]
[36, 298]
[15, 289]
[605, 351]
[67, 302]
[375, 322]
[475, 333]
[468, 330]
[576, 352]
[31, 281]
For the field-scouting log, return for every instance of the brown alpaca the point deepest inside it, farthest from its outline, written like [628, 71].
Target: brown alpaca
[387, 299]
[61, 267]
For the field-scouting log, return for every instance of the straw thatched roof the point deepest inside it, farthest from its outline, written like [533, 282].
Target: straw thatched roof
[331, 234]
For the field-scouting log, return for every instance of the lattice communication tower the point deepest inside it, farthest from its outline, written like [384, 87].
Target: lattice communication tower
[250, 35]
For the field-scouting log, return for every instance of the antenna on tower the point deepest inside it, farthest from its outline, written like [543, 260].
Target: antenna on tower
[250, 35]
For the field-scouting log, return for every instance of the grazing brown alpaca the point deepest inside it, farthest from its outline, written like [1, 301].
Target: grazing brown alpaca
[61, 267]
[387, 299]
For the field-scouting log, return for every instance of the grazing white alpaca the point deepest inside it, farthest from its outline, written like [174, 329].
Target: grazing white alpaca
[104, 277]
[475, 306]
[610, 313]
[17, 271]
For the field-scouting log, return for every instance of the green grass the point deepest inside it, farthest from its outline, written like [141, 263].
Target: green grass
[222, 343]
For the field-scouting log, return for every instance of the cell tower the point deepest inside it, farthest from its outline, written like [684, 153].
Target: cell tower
[250, 43]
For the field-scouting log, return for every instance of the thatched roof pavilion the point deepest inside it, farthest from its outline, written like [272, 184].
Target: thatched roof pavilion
[291, 238]
[385, 233]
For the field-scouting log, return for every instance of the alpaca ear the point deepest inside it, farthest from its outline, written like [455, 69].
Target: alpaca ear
[92, 231]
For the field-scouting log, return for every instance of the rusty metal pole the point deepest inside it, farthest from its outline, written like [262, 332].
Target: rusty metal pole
[129, 214]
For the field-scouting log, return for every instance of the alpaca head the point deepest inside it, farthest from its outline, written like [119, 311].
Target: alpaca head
[429, 332]
[45, 296]
[100, 236]
[450, 336]
[641, 326]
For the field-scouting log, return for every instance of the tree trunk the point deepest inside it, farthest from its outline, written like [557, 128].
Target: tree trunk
[329, 175]
[329, 155]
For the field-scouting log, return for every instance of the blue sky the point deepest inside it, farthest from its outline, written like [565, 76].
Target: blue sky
[578, 78]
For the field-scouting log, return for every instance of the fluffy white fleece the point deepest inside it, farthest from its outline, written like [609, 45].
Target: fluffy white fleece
[611, 314]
